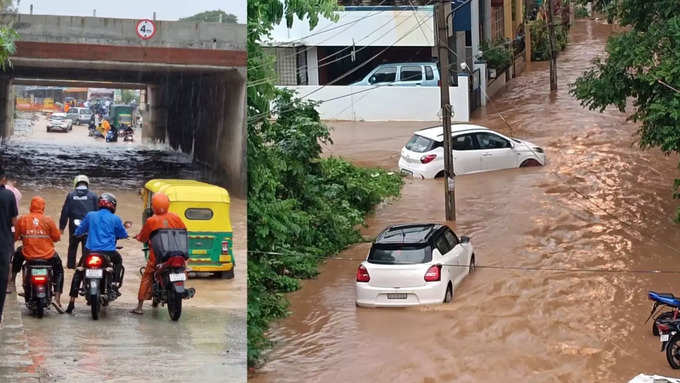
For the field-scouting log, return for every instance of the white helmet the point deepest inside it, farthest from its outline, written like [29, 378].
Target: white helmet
[81, 178]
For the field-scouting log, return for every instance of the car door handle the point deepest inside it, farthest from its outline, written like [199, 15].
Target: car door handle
[487, 155]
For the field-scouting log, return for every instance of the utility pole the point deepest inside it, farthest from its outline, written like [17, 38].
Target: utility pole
[443, 45]
[553, 59]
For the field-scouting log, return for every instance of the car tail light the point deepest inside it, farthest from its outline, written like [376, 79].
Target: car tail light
[176, 262]
[38, 279]
[362, 274]
[434, 273]
[94, 261]
[439, 82]
[427, 158]
[225, 247]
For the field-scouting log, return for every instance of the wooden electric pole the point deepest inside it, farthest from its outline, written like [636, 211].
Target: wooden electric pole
[443, 45]
[553, 58]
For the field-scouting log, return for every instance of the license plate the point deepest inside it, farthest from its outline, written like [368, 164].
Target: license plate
[406, 172]
[396, 296]
[39, 272]
[664, 337]
[94, 273]
[174, 277]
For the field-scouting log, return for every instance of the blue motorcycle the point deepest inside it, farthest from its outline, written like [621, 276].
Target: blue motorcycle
[663, 300]
[667, 326]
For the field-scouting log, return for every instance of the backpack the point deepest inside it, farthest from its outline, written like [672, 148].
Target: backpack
[168, 243]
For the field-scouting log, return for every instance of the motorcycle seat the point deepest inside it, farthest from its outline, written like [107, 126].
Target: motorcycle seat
[665, 298]
[37, 262]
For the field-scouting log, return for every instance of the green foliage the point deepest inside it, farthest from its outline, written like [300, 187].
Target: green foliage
[581, 12]
[497, 55]
[128, 95]
[212, 17]
[540, 39]
[637, 59]
[7, 48]
[299, 205]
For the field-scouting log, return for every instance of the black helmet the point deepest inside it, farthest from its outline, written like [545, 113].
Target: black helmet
[108, 201]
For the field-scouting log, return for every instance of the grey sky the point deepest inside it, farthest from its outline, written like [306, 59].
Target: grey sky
[134, 9]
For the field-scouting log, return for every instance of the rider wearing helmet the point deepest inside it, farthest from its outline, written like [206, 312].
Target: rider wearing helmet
[103, 229]
[161, 219]
[78, 203]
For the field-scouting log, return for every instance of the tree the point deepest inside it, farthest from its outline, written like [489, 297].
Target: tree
[7, 47]
[643, 64]
[129, 95]
[212, 17]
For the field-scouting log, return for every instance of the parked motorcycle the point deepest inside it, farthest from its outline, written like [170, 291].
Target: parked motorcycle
[663, 300]
[170, 248]
[38, 286]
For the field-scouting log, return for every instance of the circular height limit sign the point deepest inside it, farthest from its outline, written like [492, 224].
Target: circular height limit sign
[146, 29]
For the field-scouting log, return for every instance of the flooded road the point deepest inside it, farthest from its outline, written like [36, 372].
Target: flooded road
[600, 203]
[208, 343]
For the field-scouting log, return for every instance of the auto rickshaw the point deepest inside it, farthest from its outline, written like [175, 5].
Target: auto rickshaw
[204, 209]
[121, 115]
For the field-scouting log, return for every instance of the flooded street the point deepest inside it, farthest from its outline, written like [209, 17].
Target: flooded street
[208, 343]
[600, 203]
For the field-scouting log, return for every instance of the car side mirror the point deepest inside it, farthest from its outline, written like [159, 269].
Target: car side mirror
[372, 80]
[464, 239]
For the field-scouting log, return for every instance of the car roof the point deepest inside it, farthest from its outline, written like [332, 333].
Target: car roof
[437, 133]
[58, 115]
[409, 63]
[411, 234]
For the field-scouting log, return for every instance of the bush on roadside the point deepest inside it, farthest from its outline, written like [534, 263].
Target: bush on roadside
[540, 39]
[497, 55]
[301, 208]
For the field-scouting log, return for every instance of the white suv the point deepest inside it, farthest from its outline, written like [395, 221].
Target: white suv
[475, 149]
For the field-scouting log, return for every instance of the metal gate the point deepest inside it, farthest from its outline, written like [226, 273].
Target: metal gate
[475, 93]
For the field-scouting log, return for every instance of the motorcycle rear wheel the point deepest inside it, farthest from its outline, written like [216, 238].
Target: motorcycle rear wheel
[95, 306]
[39, 311]
[673, 351]
[174, 305]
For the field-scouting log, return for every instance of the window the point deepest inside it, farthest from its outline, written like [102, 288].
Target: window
[442, 244]
[420, 144]
[387, 74]
[464, 142]
[453, 240]
[492, 141]
[199, 214]
[411, 73]
[429, 75]
[392, 255]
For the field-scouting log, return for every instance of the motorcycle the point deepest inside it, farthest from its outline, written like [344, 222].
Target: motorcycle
[98, 282]
[38, 286]
[112, 135]
[663, 300]
[127, 133]
[170, 247]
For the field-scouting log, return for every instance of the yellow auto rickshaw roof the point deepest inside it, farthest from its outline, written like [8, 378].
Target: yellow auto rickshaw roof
[188, 190]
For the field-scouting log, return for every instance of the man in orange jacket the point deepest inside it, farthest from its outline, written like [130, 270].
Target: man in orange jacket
[161, 219]
[38, 233]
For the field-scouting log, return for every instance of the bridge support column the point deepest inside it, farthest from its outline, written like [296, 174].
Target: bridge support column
[6, 107]
[155, 120]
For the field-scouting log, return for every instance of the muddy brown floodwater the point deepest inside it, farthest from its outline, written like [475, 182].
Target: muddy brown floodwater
[207, 344]
[599, 203]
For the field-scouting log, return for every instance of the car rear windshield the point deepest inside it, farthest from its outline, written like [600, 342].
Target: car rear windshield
[400, 255]
[420, 144]
[56, 117]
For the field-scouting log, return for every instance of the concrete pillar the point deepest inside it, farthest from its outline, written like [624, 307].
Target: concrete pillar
[312, 66]
[482, 81]
[474, 26]
[487, 19]
[154, 129]
[460, 49]
[507, 19]
[527, 43]
[461, 105]
[6, 107]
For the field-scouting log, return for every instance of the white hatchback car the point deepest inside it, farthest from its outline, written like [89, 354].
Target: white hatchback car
[413, 265]
[475, 149]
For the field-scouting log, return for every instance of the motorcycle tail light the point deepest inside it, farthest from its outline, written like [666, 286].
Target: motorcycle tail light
[94, 261]
[176, 262]
[662, 327]
[38, 279]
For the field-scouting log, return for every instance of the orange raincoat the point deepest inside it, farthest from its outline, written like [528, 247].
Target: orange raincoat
[37, 231]
[161, 219]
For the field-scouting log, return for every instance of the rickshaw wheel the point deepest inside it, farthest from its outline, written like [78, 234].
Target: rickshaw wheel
[226, 274]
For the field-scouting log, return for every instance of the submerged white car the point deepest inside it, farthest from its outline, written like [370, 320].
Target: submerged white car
[475, 149]
[413, 265]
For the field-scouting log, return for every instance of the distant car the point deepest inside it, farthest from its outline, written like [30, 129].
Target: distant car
[475, 149]
[84, 115]
[402, 74]
[59, 121]
[412, 265]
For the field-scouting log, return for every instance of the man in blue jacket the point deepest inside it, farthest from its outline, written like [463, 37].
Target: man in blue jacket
[103, 229]
[78, 203]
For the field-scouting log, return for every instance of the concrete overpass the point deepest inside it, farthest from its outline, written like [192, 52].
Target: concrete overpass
[194, 74]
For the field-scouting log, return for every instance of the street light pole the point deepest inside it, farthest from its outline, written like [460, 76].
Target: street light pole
[443, 46]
